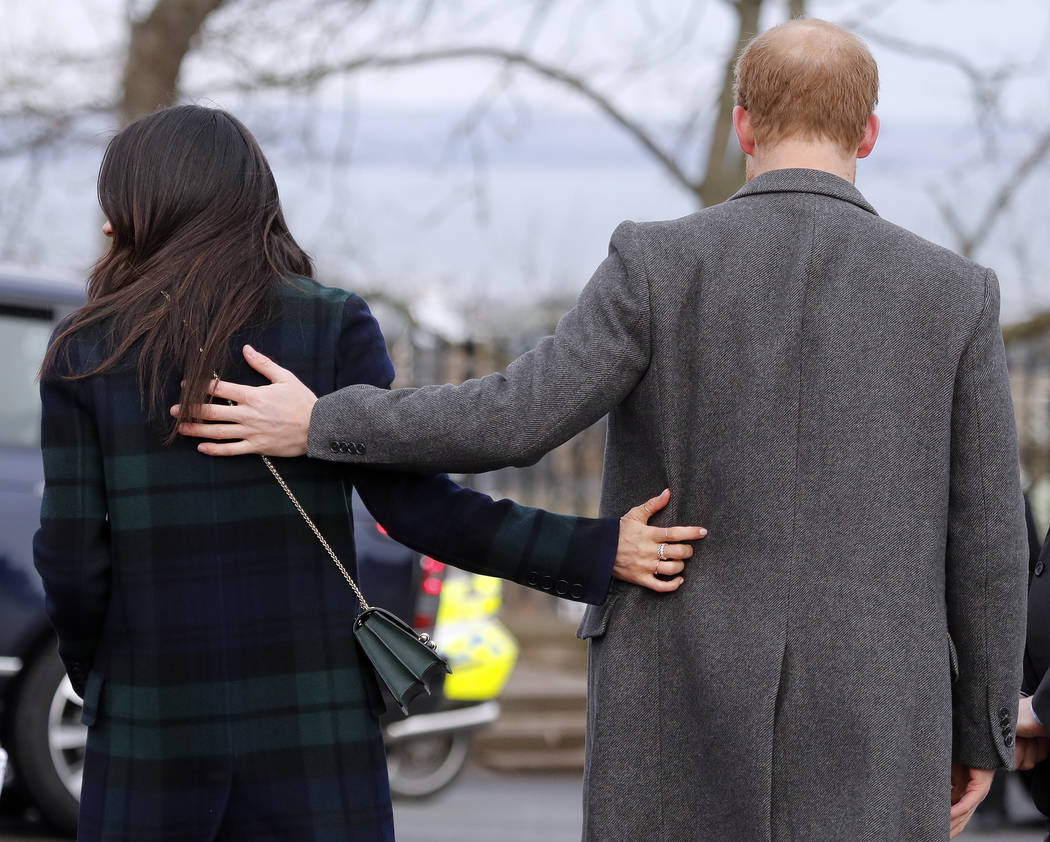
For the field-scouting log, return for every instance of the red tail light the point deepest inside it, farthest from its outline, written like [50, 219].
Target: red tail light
[427, 607]
[382, 529]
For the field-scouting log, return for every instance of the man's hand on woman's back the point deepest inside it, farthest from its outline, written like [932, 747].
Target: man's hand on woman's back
[273, 419]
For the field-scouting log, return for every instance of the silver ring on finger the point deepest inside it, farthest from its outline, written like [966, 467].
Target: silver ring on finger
[660, 553]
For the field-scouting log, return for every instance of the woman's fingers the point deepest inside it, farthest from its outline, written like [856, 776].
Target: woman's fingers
[673, 551]
[677, 533]
[649, 508]
[662, 585]
[647, 555]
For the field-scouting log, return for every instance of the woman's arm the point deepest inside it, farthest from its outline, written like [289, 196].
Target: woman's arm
[569, 556]
[72, 547]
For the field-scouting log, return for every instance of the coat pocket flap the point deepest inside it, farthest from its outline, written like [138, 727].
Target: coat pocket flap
[92, 698]
[596, 620]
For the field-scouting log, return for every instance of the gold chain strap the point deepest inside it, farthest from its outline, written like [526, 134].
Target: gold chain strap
[349, 580]
[295, 501]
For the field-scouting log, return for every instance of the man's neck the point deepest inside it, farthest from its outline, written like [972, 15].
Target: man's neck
[801, 154]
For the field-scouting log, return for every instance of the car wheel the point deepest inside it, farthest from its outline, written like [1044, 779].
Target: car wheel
[48, 742]
[422, 766]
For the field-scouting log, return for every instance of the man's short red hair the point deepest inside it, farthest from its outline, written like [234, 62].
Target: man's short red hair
[808, 79]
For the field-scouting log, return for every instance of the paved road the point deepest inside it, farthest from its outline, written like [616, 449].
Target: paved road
[488, 807]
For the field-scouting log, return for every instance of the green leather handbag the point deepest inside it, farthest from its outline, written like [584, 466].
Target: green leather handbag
[404, 662]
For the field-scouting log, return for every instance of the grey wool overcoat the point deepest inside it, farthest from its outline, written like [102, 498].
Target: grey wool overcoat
[828, 394]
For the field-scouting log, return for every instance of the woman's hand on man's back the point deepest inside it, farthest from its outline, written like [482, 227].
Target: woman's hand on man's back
[646, 553]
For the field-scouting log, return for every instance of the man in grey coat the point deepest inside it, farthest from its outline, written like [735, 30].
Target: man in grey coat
[828, 393]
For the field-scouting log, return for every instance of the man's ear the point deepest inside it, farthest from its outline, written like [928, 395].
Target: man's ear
[871, 134]
[744, 133]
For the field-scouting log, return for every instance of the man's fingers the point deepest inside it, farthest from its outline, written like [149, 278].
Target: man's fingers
[213, 412]
[265, 366]
[236, 448]
[219, 432]
[959, 825]
[229, 391]
[967, 804]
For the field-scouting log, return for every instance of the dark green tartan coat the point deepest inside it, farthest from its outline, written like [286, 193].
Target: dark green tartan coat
[209, 632]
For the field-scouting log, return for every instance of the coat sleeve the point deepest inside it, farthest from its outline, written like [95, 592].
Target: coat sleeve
[987, 556]
[596, 356]
[72, 547]
[571, 557]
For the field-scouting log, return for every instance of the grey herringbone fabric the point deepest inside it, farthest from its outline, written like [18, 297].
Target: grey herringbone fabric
[828, 394]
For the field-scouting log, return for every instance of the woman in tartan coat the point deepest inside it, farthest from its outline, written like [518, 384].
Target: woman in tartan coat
[207, 630]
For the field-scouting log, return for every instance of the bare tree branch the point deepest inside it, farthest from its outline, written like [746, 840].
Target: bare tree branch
[31, 129]
[514, 58]
[930, 52]
[1000, 201]
[986, 84]
[950, 216]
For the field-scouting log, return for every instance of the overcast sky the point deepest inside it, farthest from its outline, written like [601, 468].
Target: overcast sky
[554, 187]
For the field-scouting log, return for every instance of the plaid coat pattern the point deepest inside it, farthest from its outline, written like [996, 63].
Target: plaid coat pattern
[208, 631]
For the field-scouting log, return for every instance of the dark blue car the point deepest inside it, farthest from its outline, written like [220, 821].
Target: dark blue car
[39, 712]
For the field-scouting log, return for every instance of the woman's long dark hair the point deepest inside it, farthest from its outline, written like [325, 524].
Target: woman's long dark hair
[198, 241]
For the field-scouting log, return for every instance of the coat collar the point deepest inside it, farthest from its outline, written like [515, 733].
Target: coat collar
[804, 181]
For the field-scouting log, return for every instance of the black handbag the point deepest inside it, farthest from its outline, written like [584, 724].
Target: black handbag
[404, 662]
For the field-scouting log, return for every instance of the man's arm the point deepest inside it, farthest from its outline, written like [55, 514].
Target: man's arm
[596, 356]
[71, 548]
[986, 565]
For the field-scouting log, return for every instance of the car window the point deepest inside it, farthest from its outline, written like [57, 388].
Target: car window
[23, 340]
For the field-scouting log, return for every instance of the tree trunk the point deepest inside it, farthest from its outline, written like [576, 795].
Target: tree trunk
[725, 165]
[159, 43]
[796, 9]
